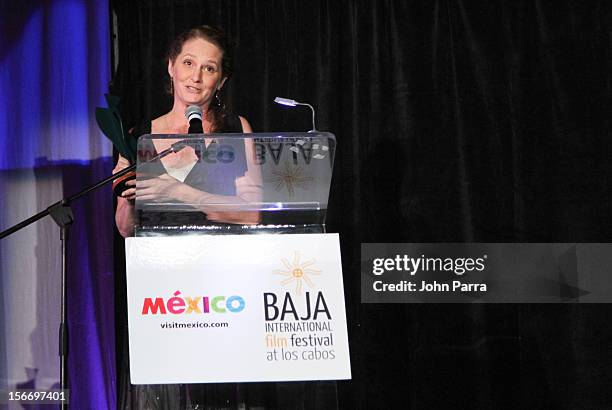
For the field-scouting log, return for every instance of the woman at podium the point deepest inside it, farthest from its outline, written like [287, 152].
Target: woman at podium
[199, 64]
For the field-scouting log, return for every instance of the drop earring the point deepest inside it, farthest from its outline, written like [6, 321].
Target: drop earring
[171, 86]
[217, 99]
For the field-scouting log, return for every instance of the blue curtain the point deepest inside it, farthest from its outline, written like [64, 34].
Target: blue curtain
[54, 70]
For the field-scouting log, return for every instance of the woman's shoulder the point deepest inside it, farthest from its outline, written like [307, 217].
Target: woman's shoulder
[233, 124]
[245, 126]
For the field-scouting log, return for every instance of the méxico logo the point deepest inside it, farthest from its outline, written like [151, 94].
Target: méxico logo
[179, 305]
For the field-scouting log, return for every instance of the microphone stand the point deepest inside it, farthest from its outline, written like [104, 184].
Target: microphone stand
[62, 214]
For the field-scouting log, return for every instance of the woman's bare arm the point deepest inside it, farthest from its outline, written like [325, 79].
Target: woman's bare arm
[125, 214]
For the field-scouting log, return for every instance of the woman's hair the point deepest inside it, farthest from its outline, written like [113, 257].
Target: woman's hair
[217, 37]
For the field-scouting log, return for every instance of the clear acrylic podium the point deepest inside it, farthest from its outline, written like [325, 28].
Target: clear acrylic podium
[276, 183]
[233, 183]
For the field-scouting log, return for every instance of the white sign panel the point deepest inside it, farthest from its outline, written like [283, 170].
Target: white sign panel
[236, 308]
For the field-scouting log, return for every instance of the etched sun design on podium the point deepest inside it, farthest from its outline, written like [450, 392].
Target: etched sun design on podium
[290, 177]
[297, 272]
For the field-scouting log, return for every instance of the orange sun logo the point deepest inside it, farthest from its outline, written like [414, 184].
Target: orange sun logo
[298, 272]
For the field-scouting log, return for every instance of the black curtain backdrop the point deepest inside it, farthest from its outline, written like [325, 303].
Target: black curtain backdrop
[483, 121]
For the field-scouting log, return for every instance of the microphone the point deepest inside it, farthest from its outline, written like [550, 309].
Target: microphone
[194, 117]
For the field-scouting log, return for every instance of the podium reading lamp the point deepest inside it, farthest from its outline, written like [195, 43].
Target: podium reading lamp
[292, 103]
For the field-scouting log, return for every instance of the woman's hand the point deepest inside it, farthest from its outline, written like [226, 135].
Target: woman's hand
[130, 193]
[158, 189]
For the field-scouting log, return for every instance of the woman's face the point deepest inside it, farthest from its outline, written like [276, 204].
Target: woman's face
[197, 73]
